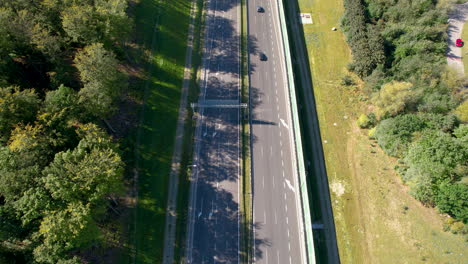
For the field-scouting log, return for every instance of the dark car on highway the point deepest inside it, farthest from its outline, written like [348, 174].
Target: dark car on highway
[262, 56]
[260, 9]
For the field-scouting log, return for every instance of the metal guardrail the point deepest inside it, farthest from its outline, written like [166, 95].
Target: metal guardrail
[297, 139]
[219, 104]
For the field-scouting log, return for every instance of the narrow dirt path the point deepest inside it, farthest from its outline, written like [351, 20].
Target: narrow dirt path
[456, 21]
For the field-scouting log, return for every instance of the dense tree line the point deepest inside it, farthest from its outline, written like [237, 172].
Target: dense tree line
[59, 78]
[363, 38]
[420, 113]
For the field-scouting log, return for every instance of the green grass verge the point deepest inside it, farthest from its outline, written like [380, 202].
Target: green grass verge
[367, 196]
[246, 203]
[162, 35]
[185, 173]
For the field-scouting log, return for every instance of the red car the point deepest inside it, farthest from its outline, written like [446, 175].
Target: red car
[459, 43]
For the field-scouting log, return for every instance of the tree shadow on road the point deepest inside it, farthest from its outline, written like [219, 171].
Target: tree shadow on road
[218, 225]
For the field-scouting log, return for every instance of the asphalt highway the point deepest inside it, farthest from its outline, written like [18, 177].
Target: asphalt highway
[277, 213]
[213, 224]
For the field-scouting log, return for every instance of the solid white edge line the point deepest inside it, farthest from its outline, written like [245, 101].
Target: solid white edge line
[295, 165]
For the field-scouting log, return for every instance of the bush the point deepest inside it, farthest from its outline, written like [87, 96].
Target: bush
[374, 81]
[444, 123]
[395, 134]
[366, 121]
[458, 227]
[436, 103]
[394, 97]
[363, 121]
[371, 133]
[461, 132]
[462, 111]
[453, 200]
[347, 80]
[433, 163]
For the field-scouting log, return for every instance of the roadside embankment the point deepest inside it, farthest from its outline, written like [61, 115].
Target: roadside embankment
[376, 220]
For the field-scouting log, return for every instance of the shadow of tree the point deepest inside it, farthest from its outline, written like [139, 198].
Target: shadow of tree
[217, 221]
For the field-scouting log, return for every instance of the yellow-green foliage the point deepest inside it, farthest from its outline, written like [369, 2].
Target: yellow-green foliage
[24, 138]
[462, 112]
[371, 133]
[363, 121]
[101, 79]
[457, 227]
[394, 97]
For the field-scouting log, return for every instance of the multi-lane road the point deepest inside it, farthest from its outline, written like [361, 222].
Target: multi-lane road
[277, 212]
[214, 219]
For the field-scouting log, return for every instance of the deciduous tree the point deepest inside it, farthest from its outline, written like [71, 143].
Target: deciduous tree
[16, 106]
[101, 78]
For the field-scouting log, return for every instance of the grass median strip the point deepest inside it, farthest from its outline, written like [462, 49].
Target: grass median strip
[246, 201]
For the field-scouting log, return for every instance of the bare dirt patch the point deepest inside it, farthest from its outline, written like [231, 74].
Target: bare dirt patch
[337, 188]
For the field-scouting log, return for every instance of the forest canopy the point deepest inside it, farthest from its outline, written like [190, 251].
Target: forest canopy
[59, 78]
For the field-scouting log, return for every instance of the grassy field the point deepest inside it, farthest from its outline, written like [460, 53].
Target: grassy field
[161, 32]
[377, 221]
[464, 36]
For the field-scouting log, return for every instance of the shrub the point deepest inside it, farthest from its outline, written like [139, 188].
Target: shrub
[363, 121]
[371, 133]
[366, 121]
[374, 81]
[395, 134]
[394, 97]
[433, 163]
[453, 199]
[444, 123]
[458, 227]
[461, 132]
[436, 103]
[347, 80]
[462, 111]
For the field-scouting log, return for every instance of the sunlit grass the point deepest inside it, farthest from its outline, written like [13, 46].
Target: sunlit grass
[465, 47]
[371, 224]
[166, 44]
